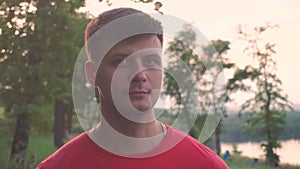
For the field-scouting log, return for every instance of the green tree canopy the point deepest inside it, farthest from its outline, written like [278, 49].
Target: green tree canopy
[39, 45]
[266, 110]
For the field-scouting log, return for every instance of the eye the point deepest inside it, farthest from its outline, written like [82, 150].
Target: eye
[121, 62]
[152, 61]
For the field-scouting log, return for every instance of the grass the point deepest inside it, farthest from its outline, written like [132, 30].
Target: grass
[238, 162]
[38, 149]
[41, 147]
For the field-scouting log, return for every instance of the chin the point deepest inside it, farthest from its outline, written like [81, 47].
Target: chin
[139, 112]
[144, 105]
[142, 108]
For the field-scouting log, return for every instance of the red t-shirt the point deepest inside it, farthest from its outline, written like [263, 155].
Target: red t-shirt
[83, 153]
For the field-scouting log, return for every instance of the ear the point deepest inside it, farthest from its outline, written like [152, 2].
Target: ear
[90, 71]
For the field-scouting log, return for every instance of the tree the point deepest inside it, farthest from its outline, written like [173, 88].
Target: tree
[38, 48]
[266, 110]
[181, 52]
[207, 70]
[220, 95]
[157, 4]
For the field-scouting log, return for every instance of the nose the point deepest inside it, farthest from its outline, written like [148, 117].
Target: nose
[140, 74]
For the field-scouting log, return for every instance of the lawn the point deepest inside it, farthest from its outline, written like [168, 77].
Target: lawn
[237, 162]
[38, 149]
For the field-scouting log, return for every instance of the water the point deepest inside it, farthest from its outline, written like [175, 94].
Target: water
[289, 152]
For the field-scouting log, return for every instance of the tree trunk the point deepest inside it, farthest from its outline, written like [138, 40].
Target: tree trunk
[217, 139]
[62, 122]
[20, 141]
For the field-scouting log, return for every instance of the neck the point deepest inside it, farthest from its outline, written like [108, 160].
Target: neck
[126, 137]
[148, 127]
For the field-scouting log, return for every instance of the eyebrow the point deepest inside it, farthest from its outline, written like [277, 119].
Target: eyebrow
[124, 54]
[119, 54]
[154, 55]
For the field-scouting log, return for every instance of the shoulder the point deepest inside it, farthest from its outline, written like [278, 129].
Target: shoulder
[66, 153]
[190, 144]
[197, 152]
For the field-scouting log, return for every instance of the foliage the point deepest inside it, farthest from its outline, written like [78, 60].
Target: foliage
[232, 129]
[239, 162]
[216, 63]
[293, 126]
[184, 65]
[266, 110]
[157, 4]
[39, 45]
[207, 81]
[38, 149]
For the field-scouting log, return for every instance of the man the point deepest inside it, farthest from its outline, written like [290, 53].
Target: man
[124, 49]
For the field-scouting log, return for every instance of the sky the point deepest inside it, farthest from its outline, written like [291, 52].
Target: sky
[218, 19]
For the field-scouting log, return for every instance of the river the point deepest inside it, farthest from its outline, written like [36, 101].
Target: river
[289, 152]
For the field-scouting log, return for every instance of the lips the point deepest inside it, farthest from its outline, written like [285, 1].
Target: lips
[139, 93]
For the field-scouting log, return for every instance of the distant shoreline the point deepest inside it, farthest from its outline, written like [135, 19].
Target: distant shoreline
[287, 153]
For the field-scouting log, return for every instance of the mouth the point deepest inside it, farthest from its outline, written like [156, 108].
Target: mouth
[139, 93]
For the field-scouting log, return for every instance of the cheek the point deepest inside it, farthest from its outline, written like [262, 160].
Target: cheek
[103, 79]
[116, 81]
[156, 78]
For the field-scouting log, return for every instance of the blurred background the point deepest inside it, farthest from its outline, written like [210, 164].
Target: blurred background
[256, 42]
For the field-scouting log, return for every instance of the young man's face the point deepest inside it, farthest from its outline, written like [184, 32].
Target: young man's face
[130, 74]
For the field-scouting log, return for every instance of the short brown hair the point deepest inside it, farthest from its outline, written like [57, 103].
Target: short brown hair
[106, 17]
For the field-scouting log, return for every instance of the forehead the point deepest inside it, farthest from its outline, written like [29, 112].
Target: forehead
[135, 44]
